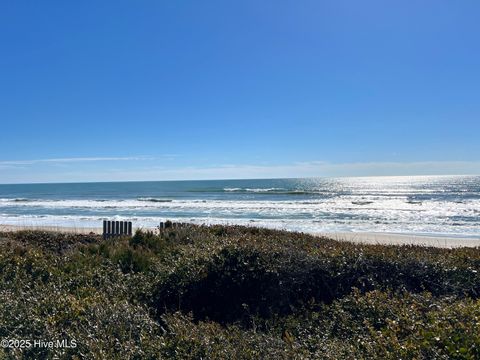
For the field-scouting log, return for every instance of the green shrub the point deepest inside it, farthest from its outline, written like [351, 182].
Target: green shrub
[239, 293]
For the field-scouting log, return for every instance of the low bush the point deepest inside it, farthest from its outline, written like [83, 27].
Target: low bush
[221, 292]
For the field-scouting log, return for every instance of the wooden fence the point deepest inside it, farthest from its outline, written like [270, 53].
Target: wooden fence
[172, 225]
[116, 228]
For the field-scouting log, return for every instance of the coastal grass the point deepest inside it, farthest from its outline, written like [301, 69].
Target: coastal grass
[231, 292]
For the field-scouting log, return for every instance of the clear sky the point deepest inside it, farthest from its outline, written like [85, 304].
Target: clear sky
[152, 90]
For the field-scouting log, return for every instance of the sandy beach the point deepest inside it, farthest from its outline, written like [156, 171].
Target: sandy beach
[404, 239]
[357, 237]
[63, 229]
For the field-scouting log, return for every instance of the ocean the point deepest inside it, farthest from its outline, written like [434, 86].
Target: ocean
[423, 205]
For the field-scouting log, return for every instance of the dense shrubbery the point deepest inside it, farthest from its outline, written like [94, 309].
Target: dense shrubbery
[233, 292]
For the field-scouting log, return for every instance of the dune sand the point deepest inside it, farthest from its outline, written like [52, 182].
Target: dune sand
[404, 239]
[64, 229]
[365, 238]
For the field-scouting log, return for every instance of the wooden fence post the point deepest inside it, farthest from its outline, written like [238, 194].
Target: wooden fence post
[116, 228]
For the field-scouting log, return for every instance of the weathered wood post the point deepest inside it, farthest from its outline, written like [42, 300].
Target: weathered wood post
[116, 228]
[104, 229]
[109, 229]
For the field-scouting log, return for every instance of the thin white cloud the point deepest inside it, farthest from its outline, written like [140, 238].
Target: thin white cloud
[245, 171]
[11, 163]
[304, 169]
[314, 169]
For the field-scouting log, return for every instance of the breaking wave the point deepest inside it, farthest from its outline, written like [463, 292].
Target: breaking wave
[155, 200]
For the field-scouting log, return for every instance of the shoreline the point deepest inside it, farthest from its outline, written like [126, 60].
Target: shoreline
[371, 238]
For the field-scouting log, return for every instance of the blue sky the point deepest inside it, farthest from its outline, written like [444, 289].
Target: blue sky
[152, 90]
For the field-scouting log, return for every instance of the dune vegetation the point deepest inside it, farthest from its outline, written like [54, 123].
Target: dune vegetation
[219, 292]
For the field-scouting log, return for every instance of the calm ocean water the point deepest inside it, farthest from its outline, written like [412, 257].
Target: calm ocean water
[440, 205]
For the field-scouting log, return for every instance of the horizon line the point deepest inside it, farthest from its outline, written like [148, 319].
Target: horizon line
[241, 179]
